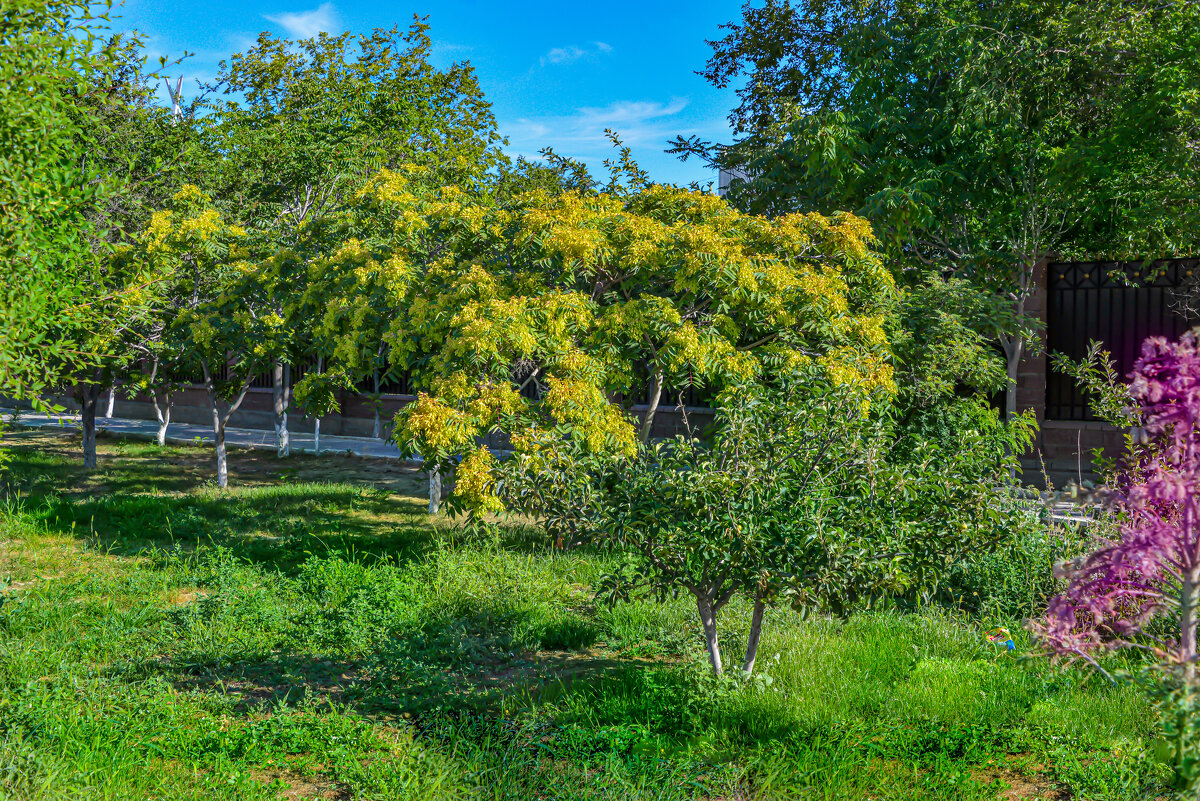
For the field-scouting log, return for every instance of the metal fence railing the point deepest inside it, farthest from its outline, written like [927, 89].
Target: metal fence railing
[1116, 303]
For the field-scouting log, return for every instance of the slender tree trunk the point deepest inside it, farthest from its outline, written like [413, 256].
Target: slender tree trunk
[281, 375]
[377, 429]
[90, 397]
[220, 420]
[162, 413]
[1187, 624]
[755, 631]
[112, 401]
[1014, 350]
[1189, 597]
[435, 490]
[222, 457]
[656, 388]
[708, 617]
[317, 422]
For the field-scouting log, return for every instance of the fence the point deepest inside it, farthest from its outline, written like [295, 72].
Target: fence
[1116, 303]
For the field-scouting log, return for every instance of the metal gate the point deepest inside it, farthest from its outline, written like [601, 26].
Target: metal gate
[1117, 303]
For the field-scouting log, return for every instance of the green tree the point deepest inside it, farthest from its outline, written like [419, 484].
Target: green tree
[979, 138]
[218, 317]
[795, 497]
[123, 134]
[48, 53]
[306, 124]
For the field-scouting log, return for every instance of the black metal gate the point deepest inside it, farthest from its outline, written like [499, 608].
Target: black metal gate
[1117, 303]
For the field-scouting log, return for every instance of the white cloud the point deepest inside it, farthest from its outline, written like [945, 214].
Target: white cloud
[307, 24]
[640, 123]
[572, 53]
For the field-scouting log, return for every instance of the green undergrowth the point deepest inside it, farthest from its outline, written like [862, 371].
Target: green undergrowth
[327, 641]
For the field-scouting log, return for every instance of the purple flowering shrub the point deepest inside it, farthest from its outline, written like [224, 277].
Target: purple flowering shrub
[1141, 590]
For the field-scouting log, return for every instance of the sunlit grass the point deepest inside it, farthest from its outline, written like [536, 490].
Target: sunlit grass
[327, 640]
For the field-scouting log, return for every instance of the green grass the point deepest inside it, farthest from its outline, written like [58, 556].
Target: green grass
[161, 639]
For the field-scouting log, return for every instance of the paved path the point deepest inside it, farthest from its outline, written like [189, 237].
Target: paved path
[186, 433]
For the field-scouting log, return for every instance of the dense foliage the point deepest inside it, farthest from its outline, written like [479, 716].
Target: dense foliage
[49, 54]
[548, 314]
[978, 138]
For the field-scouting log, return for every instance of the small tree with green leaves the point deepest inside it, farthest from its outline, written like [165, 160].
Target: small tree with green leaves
[794, 497]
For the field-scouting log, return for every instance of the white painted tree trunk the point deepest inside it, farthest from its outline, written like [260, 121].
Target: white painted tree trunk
[112, 401]
[222, 457]
[220, 421]
[755, 632]
[280, 395]
[435, 490]
[162, 413]
[709, 620]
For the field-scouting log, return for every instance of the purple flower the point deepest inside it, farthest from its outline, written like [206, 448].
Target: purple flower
[1152, 566]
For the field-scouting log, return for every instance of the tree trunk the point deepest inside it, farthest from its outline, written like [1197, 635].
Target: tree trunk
[656, 388]
[220, 421]
[708, 618]
[1014, 350]
[280, 395]
[90, 396]
[162, 413]
[1189, 597]
[755, 631]
[435, 490]
[377, 429]
[222, 458]
[317, 422]
[112, 401]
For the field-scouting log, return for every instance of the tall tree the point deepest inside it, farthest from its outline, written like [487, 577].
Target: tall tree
[123, 134]
[48, 52]
[551, 313]
[979, 138]
[307, 122]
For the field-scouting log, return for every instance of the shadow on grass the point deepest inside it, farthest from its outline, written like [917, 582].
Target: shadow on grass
[446, 668]
[276, 512]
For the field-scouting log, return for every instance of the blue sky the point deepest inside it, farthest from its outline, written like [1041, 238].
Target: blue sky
[557, 73]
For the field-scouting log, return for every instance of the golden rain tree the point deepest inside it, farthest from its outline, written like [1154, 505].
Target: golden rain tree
[223, 320]
[541, 317]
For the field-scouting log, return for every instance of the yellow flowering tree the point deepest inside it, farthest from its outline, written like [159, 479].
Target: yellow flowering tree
[224, 324]
[543, 316]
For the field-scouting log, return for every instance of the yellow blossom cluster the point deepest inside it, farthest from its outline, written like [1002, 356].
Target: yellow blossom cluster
[475, 483]
[436, 425]
[577, 295]
[602, 426]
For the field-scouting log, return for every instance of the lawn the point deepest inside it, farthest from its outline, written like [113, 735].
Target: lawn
[311, 633]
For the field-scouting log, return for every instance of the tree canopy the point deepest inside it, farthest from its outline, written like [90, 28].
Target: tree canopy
[548, 313]
[978, 138]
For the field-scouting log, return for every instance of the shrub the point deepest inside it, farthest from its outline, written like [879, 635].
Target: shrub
[1141, 590]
